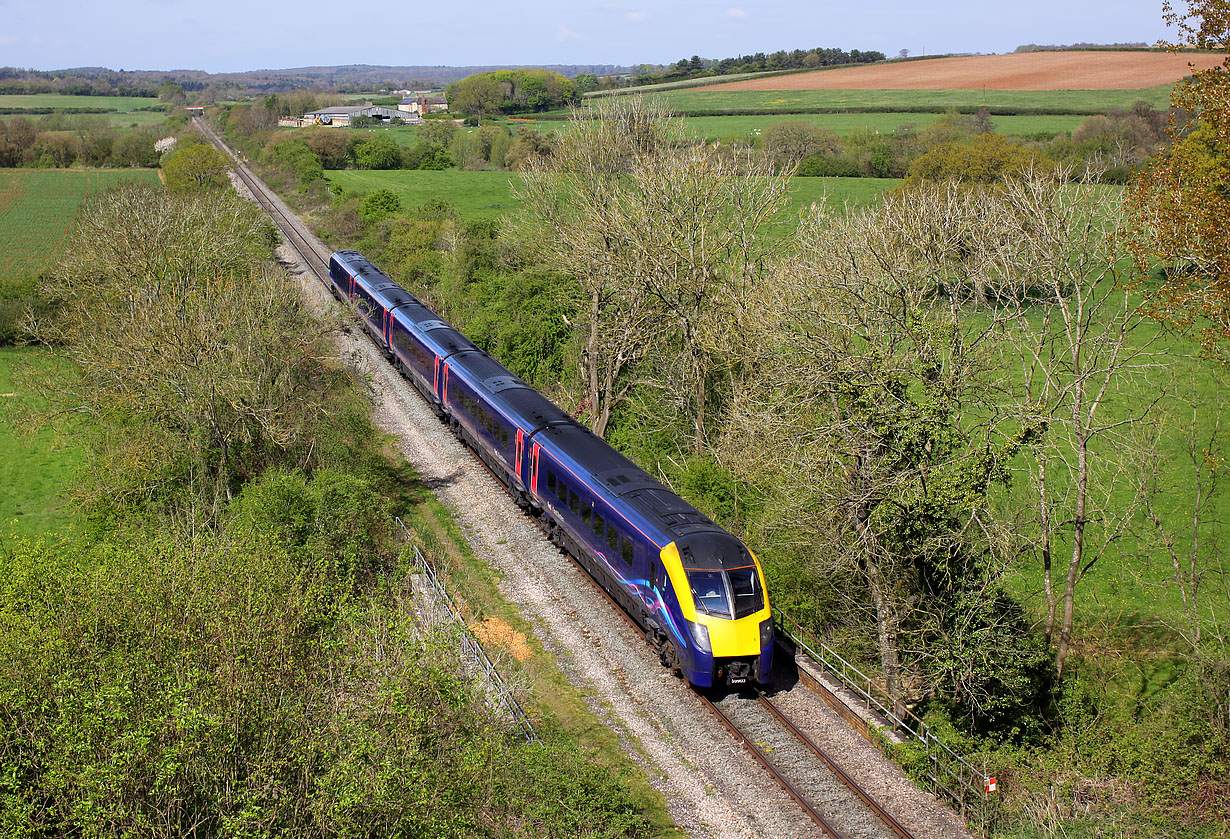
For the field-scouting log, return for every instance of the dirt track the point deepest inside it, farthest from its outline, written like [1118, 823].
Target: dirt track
[1100, 70]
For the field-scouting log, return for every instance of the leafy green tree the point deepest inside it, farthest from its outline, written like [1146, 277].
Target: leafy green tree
[331, 146]
[378, 151]
[292, 152]
[424, 155]
[440, 132]
[196, 167]
[479, 94]
[172, 94]
[380, 205]
[135, 148]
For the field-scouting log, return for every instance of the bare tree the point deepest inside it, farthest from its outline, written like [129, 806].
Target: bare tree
[874, 414]
[1077, 332]
[184, 335]
[1181, 518]
[665, 234]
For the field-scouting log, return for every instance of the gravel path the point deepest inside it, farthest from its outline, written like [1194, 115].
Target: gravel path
[711, 787]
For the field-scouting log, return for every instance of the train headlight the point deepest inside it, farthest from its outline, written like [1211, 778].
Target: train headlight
[766, 632]
[700, 635]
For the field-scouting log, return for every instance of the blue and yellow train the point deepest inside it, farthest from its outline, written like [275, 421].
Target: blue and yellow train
[696, 590]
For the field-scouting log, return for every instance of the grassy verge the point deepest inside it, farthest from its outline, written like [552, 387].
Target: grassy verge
[39, 466]
[558, 707]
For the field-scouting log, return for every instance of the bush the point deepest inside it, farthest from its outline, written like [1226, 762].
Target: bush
[377, 152]
[195, 168]
[829, 167]
[293, 153]
[986, 159]
[380, 205]
[423, 155]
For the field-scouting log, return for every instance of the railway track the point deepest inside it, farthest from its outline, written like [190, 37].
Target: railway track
[834, 801]
[287, 222]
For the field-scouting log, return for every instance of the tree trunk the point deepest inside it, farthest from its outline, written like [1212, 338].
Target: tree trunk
[597, 405]
[1044, 512]
[1078, 551]
[886, 629]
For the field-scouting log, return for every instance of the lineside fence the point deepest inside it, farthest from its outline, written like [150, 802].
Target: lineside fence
[950, 775]
[472, 652]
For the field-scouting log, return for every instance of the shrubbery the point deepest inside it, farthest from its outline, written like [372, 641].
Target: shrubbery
[229, 650]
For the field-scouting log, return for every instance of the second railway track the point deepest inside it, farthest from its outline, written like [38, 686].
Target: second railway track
[826, 794]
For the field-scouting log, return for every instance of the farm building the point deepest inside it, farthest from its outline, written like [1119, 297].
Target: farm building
[342, 114]
[420, 104]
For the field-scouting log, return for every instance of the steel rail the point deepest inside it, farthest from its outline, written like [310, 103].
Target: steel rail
[849, 782]
[306, 250]
[268, 201]
[763, 759]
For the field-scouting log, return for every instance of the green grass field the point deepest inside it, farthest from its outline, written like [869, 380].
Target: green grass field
[474, 194]
[136, 119]
[37, 468]
[1038, 101]
[742, 126]
[487, 194]
[403, 135]
[37, 207]
[120, 104]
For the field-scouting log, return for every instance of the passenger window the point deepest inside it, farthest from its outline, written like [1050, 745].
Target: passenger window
[504, 437]
[550, 482]
[612, 539]
[599, 525]
[585, 514]
[562, 492]
[574, 503]
[627, 551]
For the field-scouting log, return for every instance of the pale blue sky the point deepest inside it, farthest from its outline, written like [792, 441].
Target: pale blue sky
[236, 35]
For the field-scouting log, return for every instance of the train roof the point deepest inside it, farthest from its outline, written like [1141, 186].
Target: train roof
[668, 517]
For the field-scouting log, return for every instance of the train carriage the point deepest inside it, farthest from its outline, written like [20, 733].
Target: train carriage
[695, 589]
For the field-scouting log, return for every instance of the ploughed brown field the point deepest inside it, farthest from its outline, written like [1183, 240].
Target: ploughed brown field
[1092, 70]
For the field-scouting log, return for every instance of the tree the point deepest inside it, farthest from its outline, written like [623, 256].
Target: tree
[135, 149]
[172, 94]
[986, 159]
[1179, 205]
[878, 390]
[378, 151]
[331, 146]
[479, 94]
[196, 167]
[380, 205]
[788, 142]
[439, 132]
[649, 220]
[1077, 332]
[207, 375]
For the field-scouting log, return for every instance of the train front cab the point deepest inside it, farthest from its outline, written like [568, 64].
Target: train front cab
[720, 593]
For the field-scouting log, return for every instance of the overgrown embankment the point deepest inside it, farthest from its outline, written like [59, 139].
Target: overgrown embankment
[228, 648]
